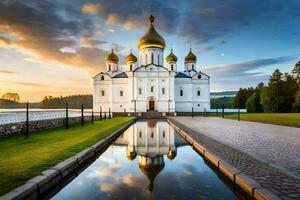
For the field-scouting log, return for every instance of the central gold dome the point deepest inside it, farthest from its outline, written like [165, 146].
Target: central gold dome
[151, 38]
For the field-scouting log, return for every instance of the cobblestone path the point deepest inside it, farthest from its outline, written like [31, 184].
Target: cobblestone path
[256, 153]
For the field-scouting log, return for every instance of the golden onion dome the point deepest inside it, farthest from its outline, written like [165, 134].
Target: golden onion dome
[131, 58]
[190, 57]
[151, 38]
[130, 155]
[112, 57]
[171, 155]
[171, 57]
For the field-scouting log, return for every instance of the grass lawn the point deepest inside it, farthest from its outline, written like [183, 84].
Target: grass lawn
[22, 159]
[285, 119]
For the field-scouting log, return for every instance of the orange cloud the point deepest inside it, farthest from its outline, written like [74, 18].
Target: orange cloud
[92, 9]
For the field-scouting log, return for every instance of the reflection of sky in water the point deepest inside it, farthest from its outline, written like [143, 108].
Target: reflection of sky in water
[114, 176]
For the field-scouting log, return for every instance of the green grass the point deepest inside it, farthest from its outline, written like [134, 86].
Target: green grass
[285, 119]
[22, 159]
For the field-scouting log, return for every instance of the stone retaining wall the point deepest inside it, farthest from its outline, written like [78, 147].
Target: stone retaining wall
[15, 129]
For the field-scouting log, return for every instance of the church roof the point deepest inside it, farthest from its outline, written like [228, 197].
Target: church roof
[171, 57]
[120, 75]
[151, 38]
[131, 58]
[181, 75]
[190, 57]
[112, 57]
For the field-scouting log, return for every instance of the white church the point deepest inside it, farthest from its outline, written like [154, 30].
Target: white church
[150, 84]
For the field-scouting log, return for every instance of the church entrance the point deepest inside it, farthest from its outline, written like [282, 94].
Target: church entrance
[151, 103]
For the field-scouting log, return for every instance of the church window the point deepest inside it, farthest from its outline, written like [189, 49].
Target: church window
[181, 92]
[163, 90]
[102, 93]
[121, 93]
[130, 68]
[158, 59]
[164, 133]
[152, 57]
[192, 66]
[172, 68]
[152, 88]
[152, 134]
[102, 78]
[198, 92]
[199, 76]
[140, 134]
[109, 67]
[140, 91]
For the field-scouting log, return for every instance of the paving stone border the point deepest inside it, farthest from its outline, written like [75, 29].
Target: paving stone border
[250, 186]
[40, 186]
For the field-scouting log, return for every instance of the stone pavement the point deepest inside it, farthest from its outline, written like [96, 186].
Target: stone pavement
[268, 154]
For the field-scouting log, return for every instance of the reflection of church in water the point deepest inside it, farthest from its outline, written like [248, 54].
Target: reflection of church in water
[150, 141]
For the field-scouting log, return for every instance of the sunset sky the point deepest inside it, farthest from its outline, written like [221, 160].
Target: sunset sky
[54, 47]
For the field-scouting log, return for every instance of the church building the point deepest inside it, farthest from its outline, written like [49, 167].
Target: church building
[150, 81]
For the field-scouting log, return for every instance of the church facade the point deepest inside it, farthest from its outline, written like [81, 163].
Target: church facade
[151, 82]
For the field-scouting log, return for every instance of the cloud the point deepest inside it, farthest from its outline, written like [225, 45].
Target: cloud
[7, 72]
[4, 40]
[92, 9]
[37, 27]
[88, 41]
[207, 48]
[31, 84]
[227, 76]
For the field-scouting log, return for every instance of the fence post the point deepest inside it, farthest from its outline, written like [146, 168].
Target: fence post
[27, 119]
[223, 110]
[204, 112]
[92, 116]
[67, 115]
[109, 113]
[82, 118]
[100, 113]
[192, 111]
[105, 115]
[238, 113]
[217, 111]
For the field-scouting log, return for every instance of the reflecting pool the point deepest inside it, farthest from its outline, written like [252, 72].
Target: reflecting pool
[148, 161]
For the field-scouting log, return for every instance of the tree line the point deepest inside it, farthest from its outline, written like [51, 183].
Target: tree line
[74, 101]
[281, 94]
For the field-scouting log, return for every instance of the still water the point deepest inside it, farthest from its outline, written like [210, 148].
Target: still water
[148, 161]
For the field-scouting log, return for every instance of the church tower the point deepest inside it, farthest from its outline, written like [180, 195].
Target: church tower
[171, 60]
[190, 61]
[111, 61]
[151, 46]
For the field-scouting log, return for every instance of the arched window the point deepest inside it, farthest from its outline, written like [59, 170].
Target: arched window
[130, 67]
[152, 89]
[109, 67]
[152, 57]
[198, 92]
[140, 91]
[181, 92]
[102, 77]
[192, 66]
[157, 59]
[102, 93]
[172, 67]
[121, 93]
[164, 133]
[163, 90]
[140, 134]
[199, 76]
[152, 134]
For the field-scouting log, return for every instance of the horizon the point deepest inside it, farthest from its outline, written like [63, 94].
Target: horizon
[55, 47]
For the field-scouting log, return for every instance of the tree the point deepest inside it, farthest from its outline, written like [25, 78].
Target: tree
[253, 102]
[296, 72]
[11, 96]
[296, 105]
[275, 90]
[242, 96]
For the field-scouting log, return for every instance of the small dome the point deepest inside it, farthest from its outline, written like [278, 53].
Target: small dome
[131, 155]
[171, 155]
[112, 57]
[151, 38]
[190, 57]
[131, 58]
[171, 57]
